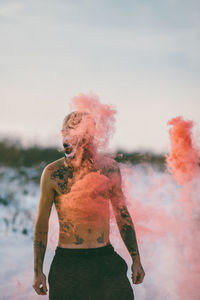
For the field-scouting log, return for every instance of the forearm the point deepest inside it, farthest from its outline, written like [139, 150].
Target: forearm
[128, 235]
[127, 232]
[40, 243]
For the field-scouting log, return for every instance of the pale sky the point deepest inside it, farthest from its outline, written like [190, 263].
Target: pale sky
[141, 56]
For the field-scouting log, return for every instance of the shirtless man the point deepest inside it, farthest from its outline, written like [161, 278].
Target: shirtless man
[81, 185]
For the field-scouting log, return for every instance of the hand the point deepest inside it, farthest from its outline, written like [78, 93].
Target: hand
[40, 279]
[137, 271]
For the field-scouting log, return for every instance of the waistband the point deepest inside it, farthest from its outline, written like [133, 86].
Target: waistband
[85, 251]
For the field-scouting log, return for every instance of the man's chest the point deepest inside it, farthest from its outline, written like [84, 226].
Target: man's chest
[64, 179]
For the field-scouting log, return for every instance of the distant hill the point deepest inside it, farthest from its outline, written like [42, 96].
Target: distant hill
[141, 157]
[13, 154]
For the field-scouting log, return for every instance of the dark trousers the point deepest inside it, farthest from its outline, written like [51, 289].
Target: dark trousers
[89, 274]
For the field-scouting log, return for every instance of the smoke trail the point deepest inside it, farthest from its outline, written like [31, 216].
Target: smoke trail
[183, 161]
[167, 220]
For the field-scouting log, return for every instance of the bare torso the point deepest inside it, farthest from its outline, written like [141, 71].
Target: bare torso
[82, 204]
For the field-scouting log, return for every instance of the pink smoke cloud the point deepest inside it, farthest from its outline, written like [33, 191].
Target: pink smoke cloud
[183, 161]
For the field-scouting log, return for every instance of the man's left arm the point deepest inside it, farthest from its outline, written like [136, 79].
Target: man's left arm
[125, 225]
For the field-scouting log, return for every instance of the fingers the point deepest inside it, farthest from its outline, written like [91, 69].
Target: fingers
[37, 289]
[137, 279]
[44, 286]
[40, 290]
[138, 276]
[43, 291]
[40, 286]
[134, 277]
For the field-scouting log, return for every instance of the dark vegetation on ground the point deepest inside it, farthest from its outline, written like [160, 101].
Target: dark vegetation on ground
[135, 158]
[13, 154]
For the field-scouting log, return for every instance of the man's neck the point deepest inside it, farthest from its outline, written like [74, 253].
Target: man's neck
[81, 156]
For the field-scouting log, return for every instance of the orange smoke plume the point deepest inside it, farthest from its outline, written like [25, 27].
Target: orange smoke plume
[183, 161]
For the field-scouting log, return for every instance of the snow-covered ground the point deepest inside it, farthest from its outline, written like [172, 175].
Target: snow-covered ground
[154, 203]
[19, 192]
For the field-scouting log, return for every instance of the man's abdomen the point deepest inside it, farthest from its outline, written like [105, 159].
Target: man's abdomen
[87, 235]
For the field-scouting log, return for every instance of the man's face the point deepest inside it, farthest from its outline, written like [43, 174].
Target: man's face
[77, 132]
[71, 140]
[69, 144]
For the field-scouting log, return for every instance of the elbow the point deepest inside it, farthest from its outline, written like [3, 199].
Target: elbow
[42, 224]
[119, 222]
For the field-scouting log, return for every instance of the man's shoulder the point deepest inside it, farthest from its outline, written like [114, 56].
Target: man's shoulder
[107, 163]
[53, 166]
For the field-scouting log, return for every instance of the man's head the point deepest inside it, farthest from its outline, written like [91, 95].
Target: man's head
[78, 130]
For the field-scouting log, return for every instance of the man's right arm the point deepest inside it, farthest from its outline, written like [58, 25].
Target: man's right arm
[41, 230]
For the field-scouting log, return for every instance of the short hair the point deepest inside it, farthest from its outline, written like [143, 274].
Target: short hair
[74, 118]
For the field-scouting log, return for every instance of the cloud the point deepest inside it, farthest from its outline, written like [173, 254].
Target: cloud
[11, 9]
